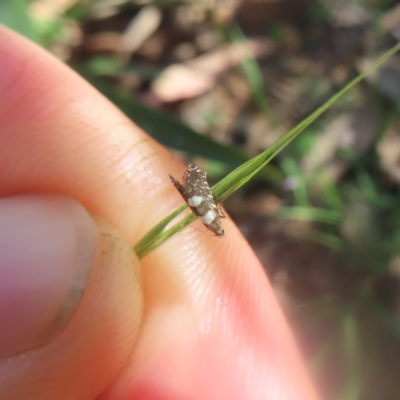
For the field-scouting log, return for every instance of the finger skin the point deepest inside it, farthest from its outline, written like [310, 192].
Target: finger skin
[212, 328]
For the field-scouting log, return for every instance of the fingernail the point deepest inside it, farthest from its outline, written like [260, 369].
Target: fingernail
[47, 247]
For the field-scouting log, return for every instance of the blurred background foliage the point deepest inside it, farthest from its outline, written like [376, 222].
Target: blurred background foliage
[218, 81]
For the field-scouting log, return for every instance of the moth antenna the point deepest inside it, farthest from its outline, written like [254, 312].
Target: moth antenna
[206, 233]
[200, 230]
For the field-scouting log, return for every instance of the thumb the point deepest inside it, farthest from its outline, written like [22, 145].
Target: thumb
[70, 300]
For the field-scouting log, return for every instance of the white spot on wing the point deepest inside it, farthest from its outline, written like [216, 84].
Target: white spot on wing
[195, 201]
[208, 217]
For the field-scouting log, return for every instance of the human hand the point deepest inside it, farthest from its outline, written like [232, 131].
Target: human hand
[195, 319]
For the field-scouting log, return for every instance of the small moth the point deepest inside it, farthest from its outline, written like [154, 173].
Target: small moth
[198, 196]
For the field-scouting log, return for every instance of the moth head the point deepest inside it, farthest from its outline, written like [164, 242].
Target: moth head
[192, 167]
[220, 232]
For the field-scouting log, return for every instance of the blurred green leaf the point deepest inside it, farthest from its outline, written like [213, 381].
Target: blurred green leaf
[80, 9]
[319, 11]
[276, 32]
[15, 15]
[103, 66]
[328, 240]
[253, 74]
[168, 130]
[314, 214]
[50, 31]
[296, 180]
[351, 338]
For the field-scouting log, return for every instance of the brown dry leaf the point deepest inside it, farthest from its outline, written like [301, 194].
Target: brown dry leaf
[353, 131]
[219, 110]
[194, 77]
[390, 21]
[388, 150]
[345, 13]
[102, 42]
[142, 26]
[257, 14]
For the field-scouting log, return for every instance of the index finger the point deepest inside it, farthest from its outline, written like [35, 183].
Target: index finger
[212, 328]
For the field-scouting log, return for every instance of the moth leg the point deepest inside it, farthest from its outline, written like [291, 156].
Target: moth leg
[221, 213]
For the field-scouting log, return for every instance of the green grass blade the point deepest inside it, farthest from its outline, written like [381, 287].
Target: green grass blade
[151, 236]
[245, 172]
[143, 247]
